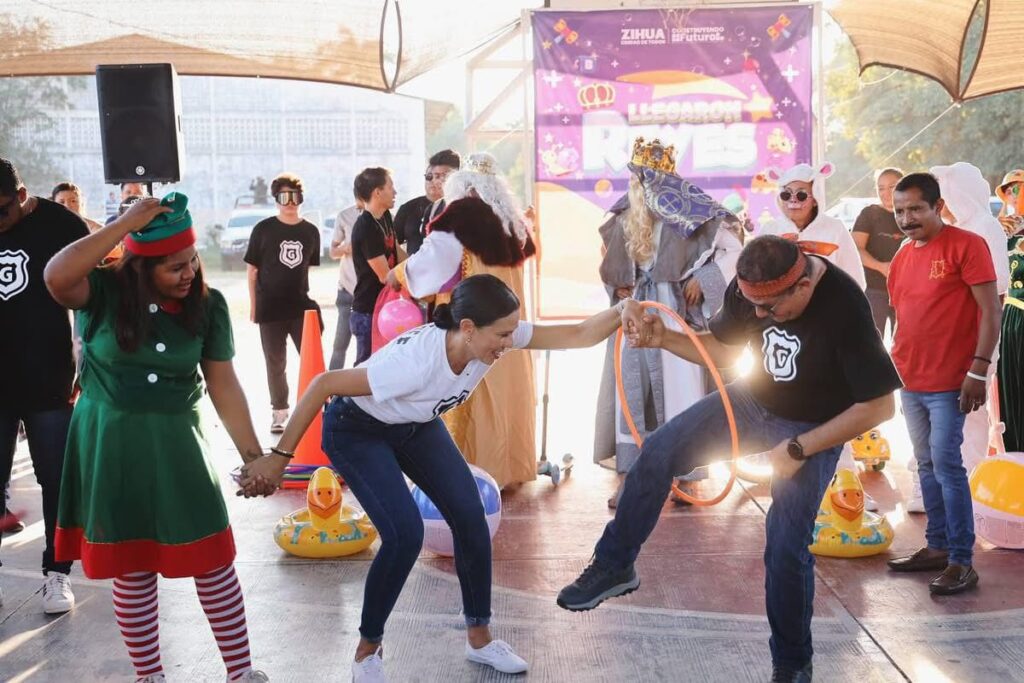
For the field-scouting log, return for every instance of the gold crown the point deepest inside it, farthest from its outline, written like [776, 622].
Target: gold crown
[596, 95]
[654, 155]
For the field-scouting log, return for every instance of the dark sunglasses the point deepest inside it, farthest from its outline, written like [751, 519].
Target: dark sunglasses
[285, 197]
[800, 195]
[431, 176]
[6, 208]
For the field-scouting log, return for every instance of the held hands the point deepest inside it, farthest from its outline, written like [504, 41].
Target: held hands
[642, 329]
[972, 395]
[262, 476]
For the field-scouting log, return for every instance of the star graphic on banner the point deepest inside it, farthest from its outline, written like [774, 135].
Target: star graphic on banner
[778, 114]
[565, 119]
[576, 83]
[558, 107]
[553, 78]
[615, 64]
[786, 102]
[760, 107]
[549, 138]
[590, 43]
[727, 61]
[790, 73]
[546, 44]
[792, 50]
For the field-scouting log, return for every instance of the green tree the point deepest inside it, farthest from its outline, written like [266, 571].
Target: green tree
[23, 106]
[869, 117]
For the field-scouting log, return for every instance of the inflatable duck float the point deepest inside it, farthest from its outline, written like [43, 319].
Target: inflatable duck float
[843, 528]
[871, 449]
[325, 528]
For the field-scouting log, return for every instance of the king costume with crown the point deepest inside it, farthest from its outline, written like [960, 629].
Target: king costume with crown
[666, 240]
[482, 230]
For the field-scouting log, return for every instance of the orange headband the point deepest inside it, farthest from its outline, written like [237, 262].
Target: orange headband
[759, 290]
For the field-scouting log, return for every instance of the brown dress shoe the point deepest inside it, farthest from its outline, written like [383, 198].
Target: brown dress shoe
[924, 560]
[956, 579]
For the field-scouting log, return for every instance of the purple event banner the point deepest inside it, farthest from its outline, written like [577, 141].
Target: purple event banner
[730, 88]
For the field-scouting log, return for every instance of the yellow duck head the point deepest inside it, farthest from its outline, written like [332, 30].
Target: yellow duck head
[323, 499]
[871, 445]
[844, 499]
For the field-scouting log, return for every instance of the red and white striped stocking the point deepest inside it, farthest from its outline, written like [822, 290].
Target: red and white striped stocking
[221, 597]
[135, 606]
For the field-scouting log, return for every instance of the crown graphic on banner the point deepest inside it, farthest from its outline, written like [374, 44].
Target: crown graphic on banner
[596, 95]
[654, 155]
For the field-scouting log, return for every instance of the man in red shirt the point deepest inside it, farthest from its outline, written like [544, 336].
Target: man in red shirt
[942, 286]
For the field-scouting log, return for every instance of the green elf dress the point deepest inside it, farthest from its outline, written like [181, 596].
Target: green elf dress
[138, 492]
[1011, 351]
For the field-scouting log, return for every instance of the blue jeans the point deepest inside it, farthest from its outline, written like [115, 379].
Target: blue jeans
[361, 325]
[47, 432]
[699, 435]
[936, 428]
[343, 333]
[372, 457]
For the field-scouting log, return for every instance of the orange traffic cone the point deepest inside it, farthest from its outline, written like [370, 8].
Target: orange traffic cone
[309, 454]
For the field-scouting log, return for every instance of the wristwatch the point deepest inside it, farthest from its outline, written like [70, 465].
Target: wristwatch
[795, 449]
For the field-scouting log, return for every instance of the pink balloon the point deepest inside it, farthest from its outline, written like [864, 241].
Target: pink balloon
[398, 316]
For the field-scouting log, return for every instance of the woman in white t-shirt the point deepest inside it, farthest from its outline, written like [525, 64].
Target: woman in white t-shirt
[383, 422]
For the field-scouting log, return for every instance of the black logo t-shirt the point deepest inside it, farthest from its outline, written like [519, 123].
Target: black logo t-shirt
[818, 365]
[283, 254]
[35, 342]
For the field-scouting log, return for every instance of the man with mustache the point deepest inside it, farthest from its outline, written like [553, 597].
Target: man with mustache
[942, 285]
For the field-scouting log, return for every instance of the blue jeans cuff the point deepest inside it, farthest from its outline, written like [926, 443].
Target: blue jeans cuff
[477, 621]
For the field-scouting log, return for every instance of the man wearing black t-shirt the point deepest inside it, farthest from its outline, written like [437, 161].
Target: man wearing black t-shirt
[35, 345]
[415, 215]
[281, 250]
[820, 378]
[374, 251]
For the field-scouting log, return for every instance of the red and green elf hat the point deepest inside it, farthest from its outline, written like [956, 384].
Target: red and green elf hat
[166, 234]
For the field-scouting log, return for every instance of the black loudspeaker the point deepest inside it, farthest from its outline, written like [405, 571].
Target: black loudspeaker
[140, 123]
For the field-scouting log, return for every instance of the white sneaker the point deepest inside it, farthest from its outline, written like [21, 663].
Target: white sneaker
[370, 669]
[251, 675]
[499, 655]
[57, 595]
[869, 503]
[916, 502]
[278, 420]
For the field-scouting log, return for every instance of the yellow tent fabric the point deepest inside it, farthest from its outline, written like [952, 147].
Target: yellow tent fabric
[377, 44]
[929, 36]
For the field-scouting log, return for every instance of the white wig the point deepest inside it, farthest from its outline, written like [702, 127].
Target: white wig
[479, 176]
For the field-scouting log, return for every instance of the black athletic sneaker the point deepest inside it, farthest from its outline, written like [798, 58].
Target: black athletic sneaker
[785, 674]
[596, 584]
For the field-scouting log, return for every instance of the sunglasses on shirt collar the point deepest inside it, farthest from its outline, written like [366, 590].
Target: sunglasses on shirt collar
[786, 195]
[286, 197]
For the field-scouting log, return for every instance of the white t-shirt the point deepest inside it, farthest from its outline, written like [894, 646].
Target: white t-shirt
[343, 231]
[412, 381]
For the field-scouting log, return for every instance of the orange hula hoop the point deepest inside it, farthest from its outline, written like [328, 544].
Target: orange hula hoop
[719, 384]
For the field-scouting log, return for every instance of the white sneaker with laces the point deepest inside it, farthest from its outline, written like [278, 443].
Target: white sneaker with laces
[369, 669]
[252, 676]
[916, 502]
[498, 655]
[57, 595]
[278, 419]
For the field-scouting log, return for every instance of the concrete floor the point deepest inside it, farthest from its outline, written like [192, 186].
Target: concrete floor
[698, 616]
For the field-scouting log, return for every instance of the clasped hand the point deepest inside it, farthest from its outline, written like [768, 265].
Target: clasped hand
[262, 476]
[642, 329]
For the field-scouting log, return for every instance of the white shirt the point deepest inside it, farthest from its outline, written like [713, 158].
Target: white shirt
[825, 228]
[412, 381]
[343, 231]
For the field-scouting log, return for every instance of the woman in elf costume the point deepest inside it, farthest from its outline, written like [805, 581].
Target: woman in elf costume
[138, 496]
[482, 230]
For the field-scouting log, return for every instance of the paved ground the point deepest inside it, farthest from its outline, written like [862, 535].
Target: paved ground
[699, 615]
